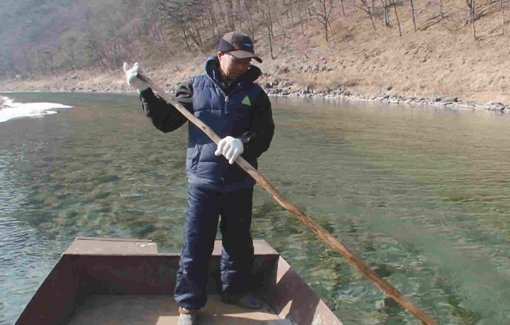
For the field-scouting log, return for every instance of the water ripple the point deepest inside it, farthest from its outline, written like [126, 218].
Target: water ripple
[421, 196]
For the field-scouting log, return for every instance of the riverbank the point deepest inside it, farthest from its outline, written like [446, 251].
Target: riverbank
[292, 76]
[113, 82]
[439, 64]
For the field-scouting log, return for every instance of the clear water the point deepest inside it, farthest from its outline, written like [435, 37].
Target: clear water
[420, 194]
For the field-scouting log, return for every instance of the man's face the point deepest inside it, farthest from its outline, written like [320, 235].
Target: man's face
[231, 67]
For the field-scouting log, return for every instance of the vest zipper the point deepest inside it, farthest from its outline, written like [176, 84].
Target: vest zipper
[226, 110]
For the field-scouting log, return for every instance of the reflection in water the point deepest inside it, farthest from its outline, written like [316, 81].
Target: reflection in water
[420, 194]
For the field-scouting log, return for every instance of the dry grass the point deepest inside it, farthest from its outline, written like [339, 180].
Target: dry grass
[442, 58]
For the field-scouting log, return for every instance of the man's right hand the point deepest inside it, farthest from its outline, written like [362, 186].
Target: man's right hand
[132, 76]
[230, 147]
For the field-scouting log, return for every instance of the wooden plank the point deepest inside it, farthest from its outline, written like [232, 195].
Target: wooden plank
[293, 299]
[162, 310]
[110, 272]
[111, 246]
[55, 300]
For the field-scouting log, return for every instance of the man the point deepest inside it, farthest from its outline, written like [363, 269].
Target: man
[225, 98]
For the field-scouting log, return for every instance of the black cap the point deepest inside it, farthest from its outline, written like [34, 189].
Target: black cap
[238, 45]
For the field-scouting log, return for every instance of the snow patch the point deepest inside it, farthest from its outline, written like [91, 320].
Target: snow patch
[10, 110]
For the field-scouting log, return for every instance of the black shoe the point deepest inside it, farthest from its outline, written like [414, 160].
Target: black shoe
[245, 301]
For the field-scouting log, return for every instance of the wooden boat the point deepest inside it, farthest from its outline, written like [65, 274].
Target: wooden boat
[126, 281]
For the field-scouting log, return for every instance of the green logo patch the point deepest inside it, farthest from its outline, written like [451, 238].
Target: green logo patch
[246, 101]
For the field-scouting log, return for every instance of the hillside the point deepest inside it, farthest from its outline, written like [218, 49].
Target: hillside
[441, 59]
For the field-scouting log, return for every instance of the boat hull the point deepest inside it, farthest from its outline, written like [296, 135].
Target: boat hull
[98, 267]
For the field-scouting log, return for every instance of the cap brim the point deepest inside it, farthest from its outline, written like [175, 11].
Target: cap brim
[240, 54]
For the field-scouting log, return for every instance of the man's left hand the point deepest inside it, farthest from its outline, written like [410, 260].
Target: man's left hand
[230, 147]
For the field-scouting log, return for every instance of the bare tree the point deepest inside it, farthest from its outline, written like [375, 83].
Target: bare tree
[184, 16]
[386, 13]
[396, 16]
[321, 11]
[264, 7]
[502, 18]
[230, 16]
[343, 8]
[248, 8]
[366, 7]
[93, 46]
[289, 4]
[471, 6]
[67, 48]
[212, 16]
[413, 13]
[300, 4]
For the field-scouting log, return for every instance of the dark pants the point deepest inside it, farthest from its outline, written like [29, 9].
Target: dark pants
[204, 209]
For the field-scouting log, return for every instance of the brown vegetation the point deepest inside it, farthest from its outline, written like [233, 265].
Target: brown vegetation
[447, 48]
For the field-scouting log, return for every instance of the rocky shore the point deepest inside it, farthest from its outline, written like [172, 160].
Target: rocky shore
[387, 97]
[279, 81]
[276, 87]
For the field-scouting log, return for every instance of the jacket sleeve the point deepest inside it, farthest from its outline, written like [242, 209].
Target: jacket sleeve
[165, 116]
[257, 139]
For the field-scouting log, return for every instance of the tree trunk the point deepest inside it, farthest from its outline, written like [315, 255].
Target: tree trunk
[322, 15]
[213, 17]
[386, 13]
[372, 19]
[250, 19]
[366, 8]
[228, 10]
[186, 38]
[291, 5]
[269, 33]
[414, 17]
[502, 18]
[300, 12]
[396, 16]
[473, 17]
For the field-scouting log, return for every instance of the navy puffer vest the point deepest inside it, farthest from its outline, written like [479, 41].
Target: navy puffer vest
[227, 116]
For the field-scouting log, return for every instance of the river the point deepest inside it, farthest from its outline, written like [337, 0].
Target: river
[421, 194]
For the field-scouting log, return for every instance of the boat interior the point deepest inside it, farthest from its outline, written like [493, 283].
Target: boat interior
[126, 281]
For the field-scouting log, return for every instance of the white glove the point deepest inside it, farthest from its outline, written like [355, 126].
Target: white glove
[231, 148]
[132, 77]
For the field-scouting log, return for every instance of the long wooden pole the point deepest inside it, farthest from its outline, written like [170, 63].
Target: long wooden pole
[314, 226]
